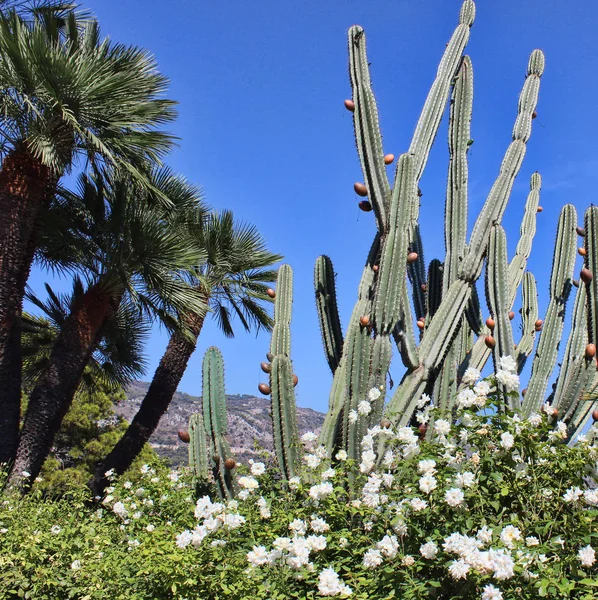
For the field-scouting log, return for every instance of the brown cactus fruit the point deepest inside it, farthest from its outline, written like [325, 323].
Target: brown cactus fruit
[230, 464]
[411, 257]
[581, 251]
[490, 323]
[271, 293]
[534, 114]
[424, 287]
[365, 206]
[385, 424]
[490, 341]
[586, 275]
[524, 391]
[595, 415]
[264, 388]
[581, 232]
[295, 380]
[270, 356]
[575, 282]
[266, 367]
[423, 429]
[388, 159]
[539, 209]
[184, 436]
[364, 321]
[538, 324]
[360, 189]
[511, 315]
[350, 105]
[375, 268]
[590, 351]
[421, 323]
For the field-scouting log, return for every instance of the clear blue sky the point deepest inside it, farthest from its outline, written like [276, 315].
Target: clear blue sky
[261, 87]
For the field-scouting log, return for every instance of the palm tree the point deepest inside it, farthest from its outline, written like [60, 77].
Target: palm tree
[132, 249]
[67, 97]
[232, 281]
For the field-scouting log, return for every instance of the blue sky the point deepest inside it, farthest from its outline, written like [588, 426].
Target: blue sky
[264, 131]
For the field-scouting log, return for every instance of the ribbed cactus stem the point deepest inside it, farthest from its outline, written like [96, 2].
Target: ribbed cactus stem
[198, 449]
[560, 286]
[591, 264]
[529, 317]
[367, 129]
[330, 325]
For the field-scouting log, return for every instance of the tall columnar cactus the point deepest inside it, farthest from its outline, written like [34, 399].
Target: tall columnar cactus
[199, 455]
[215, 423]
[282, 379]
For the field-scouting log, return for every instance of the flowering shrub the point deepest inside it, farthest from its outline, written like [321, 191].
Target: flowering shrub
[491, 508]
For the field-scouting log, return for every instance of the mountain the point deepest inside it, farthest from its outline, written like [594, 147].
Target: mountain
[249, 422]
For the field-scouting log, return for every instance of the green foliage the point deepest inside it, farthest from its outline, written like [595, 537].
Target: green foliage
[508, 495]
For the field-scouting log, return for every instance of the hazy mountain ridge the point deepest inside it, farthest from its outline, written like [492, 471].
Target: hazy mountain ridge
[248, 421]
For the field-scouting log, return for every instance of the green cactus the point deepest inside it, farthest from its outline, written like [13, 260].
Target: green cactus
[215, 423]
[284, 409]
[330, 324]
[198, 451]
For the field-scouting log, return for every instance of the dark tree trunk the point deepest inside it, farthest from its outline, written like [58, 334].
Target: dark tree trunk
[166, 379]
[53, 393]
[25, 185]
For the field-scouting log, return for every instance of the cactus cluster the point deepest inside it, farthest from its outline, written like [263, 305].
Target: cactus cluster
[438, 343]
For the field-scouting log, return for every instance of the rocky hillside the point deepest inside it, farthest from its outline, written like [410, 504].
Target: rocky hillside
[249, 423]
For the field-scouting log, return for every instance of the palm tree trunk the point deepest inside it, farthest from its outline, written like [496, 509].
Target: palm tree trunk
[166, 379]
[24, 185]
[53, 393]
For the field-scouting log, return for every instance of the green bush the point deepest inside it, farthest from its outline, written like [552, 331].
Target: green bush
[493, 507]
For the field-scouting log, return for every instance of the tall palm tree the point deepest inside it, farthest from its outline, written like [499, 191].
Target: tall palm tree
[232, 280]
[67, 96]
[132, 249]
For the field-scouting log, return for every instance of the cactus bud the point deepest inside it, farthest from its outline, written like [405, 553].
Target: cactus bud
[590, 351]
[490, 341]
[421, 323]
[365, 206]
[184, 436]
[271, 293]
[375, 268]
[360, 189]
[295, 380]
[539, 209]
[411, 257]
[490, 323]
[266, 367]
[586, 275]
[230, 464]
[264, 388]
[581, 251]
[350, 105]
[388, 159]
[511, 315]
[538, 324]
[581, 232]
[364, 321]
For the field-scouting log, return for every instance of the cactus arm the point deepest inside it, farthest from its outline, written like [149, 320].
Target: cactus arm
[225, 479]
[367, 129]
[434, 287]
[497, 292]
[330, 325]
[284, 415]
[404, 336]
[560, 286]
[380, 362]
[214, 398]
[496, 202]
[529, 316]
[331, 433]
[393, 263]
[431, 115]
[417, 273]
[591, 263]
[473, 312]
[455, 212]
[281, 333]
